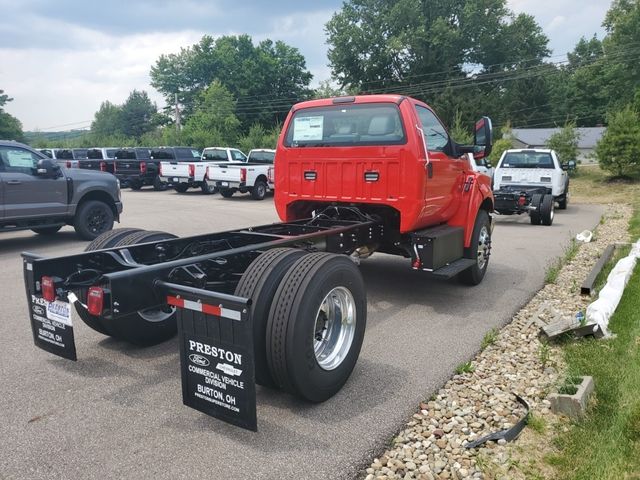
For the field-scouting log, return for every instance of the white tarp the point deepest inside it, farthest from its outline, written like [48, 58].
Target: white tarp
[602, 309]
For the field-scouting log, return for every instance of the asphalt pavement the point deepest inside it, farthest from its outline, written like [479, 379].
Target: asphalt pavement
[117, 412]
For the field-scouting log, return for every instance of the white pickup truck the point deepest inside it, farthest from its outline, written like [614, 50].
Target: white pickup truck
[185, 175]
[255, 176]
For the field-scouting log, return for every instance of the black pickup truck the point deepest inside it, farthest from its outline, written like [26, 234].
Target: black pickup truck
[135, 168]
[102, 159]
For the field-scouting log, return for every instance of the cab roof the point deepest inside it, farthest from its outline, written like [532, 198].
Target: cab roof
[350, 100]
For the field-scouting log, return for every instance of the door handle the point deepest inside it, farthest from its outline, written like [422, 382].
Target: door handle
[14, 182]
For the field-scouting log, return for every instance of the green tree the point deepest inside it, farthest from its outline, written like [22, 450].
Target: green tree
[107, 121]
[504, 143]
[565, 142]
[10, 126]
[433, 49]
[618, 151]
[459, 132]
[266, 79]
[138, 114]
[213, 123]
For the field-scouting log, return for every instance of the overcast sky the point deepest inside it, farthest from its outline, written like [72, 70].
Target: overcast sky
[59, 59]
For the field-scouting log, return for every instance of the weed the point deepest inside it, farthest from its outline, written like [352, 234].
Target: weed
[536, 423]
[552, 271]
[466, 367]
[544, 354]
[489, 338]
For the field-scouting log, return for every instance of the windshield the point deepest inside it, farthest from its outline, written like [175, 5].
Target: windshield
[125, 155]
[162, 154]
[214, 154]
[365, 124]
[94, 154]
[261, 157]
[526, 159]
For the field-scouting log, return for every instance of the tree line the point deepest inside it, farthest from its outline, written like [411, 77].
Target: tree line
[466, 58]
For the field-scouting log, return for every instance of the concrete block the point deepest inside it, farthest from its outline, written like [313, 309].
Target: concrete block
[575, 405]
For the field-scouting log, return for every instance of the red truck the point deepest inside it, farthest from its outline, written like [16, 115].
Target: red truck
[284, 305]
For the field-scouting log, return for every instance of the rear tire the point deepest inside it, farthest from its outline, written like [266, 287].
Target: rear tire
[92, 219]
[562, 204]
[181, 187]
[259, 283]
[534, 215]
[316, 326]
[46, 230]
[227, 192]
[480, 250]
[207, 189]
[159, 185]
[106, 240]
[547, 208]
[146, 327]
[259, 190]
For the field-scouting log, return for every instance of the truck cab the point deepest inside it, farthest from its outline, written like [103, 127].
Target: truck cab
[389, 156]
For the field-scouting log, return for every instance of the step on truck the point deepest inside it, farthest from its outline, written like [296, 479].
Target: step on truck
[284, 305]
[252, 176]
[182, 175]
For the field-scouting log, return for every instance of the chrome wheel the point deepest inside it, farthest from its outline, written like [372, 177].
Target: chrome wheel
[484, 247]
[335, 328]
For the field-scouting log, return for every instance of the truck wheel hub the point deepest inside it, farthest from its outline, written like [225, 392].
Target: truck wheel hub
[484, 247]
[335, 328]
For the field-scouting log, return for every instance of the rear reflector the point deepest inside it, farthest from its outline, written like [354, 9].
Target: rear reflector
[243, 174]
[143, 167]
[192, 170]
[160, 169]
[103, 166]
[95, 300]
[48, 289]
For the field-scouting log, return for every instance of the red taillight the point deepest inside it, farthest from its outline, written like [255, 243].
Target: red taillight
[143, 167]
[48, 288]
[95, 300]
[243, 174]
[68, 164]
[160, 169]
[522, 201]
[103, 166]
[192, 170]
[114, 166]
[270, 175]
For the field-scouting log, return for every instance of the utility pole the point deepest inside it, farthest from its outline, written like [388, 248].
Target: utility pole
[177, 115]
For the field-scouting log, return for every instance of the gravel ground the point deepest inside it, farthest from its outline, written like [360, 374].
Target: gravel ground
[480, 401]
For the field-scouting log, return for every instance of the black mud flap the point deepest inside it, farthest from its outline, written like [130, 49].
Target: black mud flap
[50, 321]
[216, 353]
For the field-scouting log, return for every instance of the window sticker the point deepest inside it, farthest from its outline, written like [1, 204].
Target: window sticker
[308, 128]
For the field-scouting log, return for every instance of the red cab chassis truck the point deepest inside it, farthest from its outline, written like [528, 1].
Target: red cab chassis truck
[283, 305]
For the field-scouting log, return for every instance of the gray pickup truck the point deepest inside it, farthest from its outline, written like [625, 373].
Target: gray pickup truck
[39, 195]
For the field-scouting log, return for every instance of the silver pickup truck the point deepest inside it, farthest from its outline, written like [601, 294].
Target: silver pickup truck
[39, 195]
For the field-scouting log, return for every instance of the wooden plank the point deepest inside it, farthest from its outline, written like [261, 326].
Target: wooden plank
[588, 284]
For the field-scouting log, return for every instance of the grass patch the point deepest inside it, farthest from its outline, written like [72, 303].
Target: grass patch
[536, 423]
[606, 444]
[489, 338]
[553, 270]
[466, 367]
[593, 185]
[544, 354]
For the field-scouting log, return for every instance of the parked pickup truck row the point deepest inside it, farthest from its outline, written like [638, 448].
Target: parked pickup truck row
[226, 170]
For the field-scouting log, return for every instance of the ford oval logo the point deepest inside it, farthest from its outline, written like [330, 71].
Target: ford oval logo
[199, 360]
[37, 309]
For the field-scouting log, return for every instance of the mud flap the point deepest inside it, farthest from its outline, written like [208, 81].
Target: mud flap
[215, 334]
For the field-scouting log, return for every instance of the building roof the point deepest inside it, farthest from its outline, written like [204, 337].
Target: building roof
[537, 137]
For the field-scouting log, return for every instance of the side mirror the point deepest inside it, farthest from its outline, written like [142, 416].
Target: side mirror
[570, 165]
[47, 169]
[483, 138]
